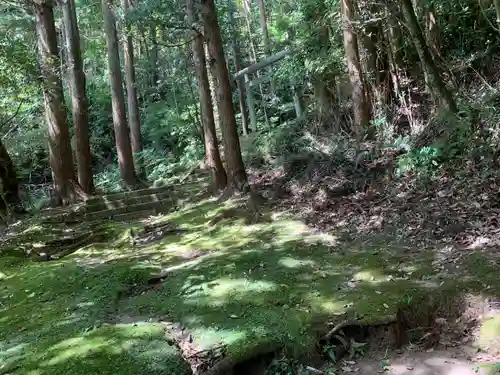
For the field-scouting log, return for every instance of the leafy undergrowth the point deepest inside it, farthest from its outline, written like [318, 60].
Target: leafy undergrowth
[229, 282]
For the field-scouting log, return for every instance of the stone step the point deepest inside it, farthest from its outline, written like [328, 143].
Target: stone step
[127, 201]
[159, 206]
[129, 194]
[128, 216]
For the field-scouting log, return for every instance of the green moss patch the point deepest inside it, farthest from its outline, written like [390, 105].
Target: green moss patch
[273, 284]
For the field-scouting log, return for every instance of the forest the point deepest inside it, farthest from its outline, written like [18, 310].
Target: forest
[268, 187]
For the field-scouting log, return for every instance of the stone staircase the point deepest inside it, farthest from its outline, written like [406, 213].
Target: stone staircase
[123, 206]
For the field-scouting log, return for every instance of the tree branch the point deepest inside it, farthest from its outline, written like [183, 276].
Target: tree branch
[178, 44]
[12, 118]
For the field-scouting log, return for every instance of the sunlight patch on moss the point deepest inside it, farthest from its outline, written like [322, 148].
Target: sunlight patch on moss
[489, 335]
[219, 291]
[370, 276]
[325, 304]
[210, 337]
[290, 262]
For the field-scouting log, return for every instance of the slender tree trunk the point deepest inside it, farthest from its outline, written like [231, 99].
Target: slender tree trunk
[237, 176]
[432, 30]
[395, 37]
[78, 97]
[360, 104]
[237, 66]
[154, 55]
[438, 88]
[212, 156]
[122, 137]
[252, 54]
[189, 81]
[368, 47]
[61, 40]
[10, 184]
[66, 189]
[394, 50]
[265, 38]
[134, 117]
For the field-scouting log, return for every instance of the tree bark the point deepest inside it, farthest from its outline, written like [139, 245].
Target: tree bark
[10, 184]
[360, 104]
[237, 66]
[154, 56]
[122, 137]
[212, 156]
[134, 117]
[78, 97]
[432, 30]
[237, 176]
[65, 189]
[213, 85]
[394, 50]
[265, 37]
[395, 37]
[438, 88]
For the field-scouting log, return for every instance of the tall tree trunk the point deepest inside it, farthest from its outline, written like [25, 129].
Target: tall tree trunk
[122, 137]
[252, 54]
[432, 30]
[212, 156]
[10, 184]
[360, 104]
[237, 66]
[61, 40]
[265, 38]
[78, 97]
[438, 88]
[237, 176]
[394, 50]
[66, 190]
[395, 37]
[375, 65]
[213, 85]
[154, 55]
[134, 117]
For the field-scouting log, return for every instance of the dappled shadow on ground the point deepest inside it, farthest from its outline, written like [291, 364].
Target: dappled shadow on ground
[244, 287]
[457, 211]
[282, 284]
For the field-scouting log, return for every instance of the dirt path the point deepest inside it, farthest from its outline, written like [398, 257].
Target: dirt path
[453, 361]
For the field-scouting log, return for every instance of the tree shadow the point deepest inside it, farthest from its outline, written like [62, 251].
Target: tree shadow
[277, 284]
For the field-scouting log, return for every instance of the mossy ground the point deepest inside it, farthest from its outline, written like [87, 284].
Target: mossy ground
[275, 283]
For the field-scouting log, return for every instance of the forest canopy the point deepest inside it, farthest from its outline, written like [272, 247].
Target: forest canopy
[116, 95]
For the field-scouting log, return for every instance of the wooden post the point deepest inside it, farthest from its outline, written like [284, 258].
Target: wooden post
[250, 103]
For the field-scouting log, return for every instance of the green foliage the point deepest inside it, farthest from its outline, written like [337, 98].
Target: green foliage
[329, 351]
[280, 142]
[108, 180]
[283, 366]
[422, 162]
